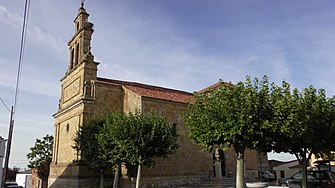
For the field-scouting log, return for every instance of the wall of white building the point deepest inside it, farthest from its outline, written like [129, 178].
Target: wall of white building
[286, 170]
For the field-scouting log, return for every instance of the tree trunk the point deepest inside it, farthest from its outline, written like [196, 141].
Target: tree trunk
[240, 169]
[304, 175]
[102, 177]
[45, 183]
[304, 170]
[116, 176]
[261, 169]
[138, 176]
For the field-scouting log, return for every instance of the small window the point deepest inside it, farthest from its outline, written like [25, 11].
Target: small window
[67, 127]
[77, 26]
[282, 174]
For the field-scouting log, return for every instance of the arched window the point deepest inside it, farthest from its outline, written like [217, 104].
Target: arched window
[71, 58]
[77, 54]
[67, 127]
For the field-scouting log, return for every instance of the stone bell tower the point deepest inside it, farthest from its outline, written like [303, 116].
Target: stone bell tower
[80, 44]
[76, 101]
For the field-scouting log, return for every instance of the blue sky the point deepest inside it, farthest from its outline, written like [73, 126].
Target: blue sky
[181, 44]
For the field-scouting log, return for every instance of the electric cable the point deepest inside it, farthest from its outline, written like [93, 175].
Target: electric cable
[22, 47]
[4, 104]
[17, 89]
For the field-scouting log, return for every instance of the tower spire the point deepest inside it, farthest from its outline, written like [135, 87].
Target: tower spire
[80, 44]
[82, 3]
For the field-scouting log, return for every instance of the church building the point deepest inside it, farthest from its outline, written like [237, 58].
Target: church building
[84, 95]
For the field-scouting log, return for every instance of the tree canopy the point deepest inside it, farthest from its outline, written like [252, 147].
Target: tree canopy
[264, 117]
[94, 151]
[97, 147]
[40, 157]
[134, 138]
[304, 123]
[149, 136]
[234, 116]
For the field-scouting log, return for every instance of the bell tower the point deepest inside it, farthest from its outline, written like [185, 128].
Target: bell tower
[80, 43]
[77, 84]
[77, 101]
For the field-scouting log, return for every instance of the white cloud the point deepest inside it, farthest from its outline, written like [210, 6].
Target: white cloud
[7, 73]
[33, 79]
[34, 31]
[9, 18]
[45, 38]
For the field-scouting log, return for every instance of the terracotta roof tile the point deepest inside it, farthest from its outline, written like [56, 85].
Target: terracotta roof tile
[214, 86]
[152, 91]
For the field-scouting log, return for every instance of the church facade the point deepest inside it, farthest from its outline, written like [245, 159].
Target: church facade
[84, 95]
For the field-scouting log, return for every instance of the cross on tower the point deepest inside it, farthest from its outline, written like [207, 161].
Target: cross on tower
[82, 3]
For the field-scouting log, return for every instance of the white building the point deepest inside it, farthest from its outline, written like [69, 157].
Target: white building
[23, 178]
[286, 169]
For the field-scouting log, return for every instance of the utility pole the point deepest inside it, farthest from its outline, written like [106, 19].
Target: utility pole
[9, 143]
[2, 154]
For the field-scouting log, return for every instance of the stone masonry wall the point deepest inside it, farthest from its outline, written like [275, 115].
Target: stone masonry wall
[66, 127]
[190, 159]
[132, 101]
[108, 97]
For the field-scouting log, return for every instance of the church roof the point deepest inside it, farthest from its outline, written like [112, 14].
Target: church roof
[152, 91]
[214, 86]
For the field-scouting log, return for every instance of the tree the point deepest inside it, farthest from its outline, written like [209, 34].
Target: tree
[135, 139]
[147, 136]
[98, 151]
[40, 157]
[234, 116]
[11, 174]
[113, 145]
[304, 123]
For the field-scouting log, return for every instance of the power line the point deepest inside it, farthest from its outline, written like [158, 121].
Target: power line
[17, 89]
[4, 104]
[22, 47]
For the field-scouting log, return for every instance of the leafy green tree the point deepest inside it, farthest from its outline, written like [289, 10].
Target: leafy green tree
[135, 139]
[148, 136]
[96, 149]
[114, 146]
[304, 123]
[40, 157]
[234, 116]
